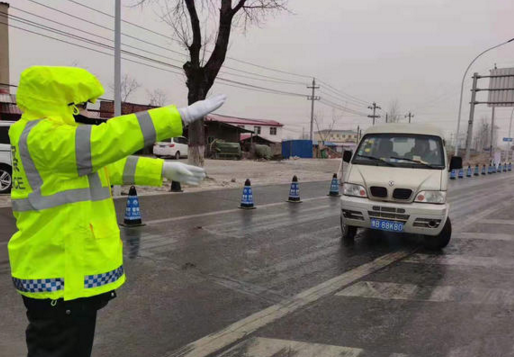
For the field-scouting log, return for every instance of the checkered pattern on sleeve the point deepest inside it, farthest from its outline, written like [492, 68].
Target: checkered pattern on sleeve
[38, 285]
[94, 281]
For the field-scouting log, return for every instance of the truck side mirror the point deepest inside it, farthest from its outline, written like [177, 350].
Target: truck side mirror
[456, 163]
[347, 155]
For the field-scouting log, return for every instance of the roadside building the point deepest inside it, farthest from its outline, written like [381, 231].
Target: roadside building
[8, 109]
[268, 129]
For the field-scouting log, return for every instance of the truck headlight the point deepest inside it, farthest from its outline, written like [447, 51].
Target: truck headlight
[350, 189]
[431, 197]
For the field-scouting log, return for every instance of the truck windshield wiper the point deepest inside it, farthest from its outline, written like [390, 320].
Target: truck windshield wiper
[415, 161]
[376, 159]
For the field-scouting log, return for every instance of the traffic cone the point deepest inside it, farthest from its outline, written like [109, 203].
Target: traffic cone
[484, 172]
[477, 171]
[461, 173]
[453, 175]
[469, 173]
[334, 187]
[294, 192]
[176, 187]
[247, 198]
[132, 211]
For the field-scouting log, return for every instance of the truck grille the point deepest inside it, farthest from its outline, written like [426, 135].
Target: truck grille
[402, 193]
[378, 191]
[390, 213]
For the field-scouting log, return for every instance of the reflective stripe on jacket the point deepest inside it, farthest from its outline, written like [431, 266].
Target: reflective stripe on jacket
[68, 242]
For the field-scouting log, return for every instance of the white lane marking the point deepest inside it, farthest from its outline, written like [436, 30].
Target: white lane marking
[498, 221]
[460, 294]
[271, 347]
[174, 219]
[483, 262]
[484, 236]
[238, 330]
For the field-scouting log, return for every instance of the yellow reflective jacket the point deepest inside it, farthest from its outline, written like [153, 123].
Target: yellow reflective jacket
[68, 243]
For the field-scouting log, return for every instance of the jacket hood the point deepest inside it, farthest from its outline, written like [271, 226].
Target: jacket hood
[52, 92]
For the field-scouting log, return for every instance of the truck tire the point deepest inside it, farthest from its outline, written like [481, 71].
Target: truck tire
[440, 241]
[348, 233]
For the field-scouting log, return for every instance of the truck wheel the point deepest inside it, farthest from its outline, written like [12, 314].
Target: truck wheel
[5, 179]
[348, 232]
[440, 241]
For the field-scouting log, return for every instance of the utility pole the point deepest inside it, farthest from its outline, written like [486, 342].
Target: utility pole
[374, 107]
[471, 116]
[509, 143]
[313, 98]
[410, 116]
[358, 131]
[492, 134]
[117, 70]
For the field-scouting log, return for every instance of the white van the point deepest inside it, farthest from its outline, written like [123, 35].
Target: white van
[174, 147]
[5, 157]
[397, 181]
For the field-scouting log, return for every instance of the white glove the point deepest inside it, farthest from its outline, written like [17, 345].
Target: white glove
[177, 171]
[201, 108]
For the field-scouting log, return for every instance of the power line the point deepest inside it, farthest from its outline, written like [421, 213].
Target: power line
[223, 81]
[341, 108]
[125, 21]
[173, 39]
[176, 52]
[341, 93]
[346, 102]
[133, 47]
[273, 79]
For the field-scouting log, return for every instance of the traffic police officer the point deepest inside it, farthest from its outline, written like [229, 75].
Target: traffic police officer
[66, 257]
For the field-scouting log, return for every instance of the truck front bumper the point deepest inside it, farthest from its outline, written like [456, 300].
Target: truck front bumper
[418, 218]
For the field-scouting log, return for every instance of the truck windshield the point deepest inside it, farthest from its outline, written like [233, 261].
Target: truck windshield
[401, 150]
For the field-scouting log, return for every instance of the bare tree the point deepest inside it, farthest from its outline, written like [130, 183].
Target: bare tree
[394, 112]
[197, 22]
[129, 86]
[157, 97]
[325, 133]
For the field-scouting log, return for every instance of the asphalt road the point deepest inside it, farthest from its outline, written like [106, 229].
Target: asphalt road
[205, 278]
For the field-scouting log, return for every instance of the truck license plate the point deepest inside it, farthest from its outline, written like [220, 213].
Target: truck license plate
[384, 225]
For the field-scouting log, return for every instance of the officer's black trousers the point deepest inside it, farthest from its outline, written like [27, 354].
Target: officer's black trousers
[61, 328]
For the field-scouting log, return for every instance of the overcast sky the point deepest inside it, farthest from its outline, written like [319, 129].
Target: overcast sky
[414, 51]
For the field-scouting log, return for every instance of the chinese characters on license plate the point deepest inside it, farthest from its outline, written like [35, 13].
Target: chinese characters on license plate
[386, 225]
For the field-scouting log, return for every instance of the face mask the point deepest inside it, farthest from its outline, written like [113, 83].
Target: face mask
[79, 118]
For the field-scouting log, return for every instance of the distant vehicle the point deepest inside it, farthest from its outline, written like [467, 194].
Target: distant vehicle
[174, 147]
[397, 181]
[5, 157]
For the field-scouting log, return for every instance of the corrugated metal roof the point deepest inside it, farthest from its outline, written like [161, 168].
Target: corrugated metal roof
[242, 121]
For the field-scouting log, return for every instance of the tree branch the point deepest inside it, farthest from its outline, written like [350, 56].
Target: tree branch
[194, 48]
[238, 7]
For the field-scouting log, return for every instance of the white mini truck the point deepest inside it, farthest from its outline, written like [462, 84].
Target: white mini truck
[397, 181]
